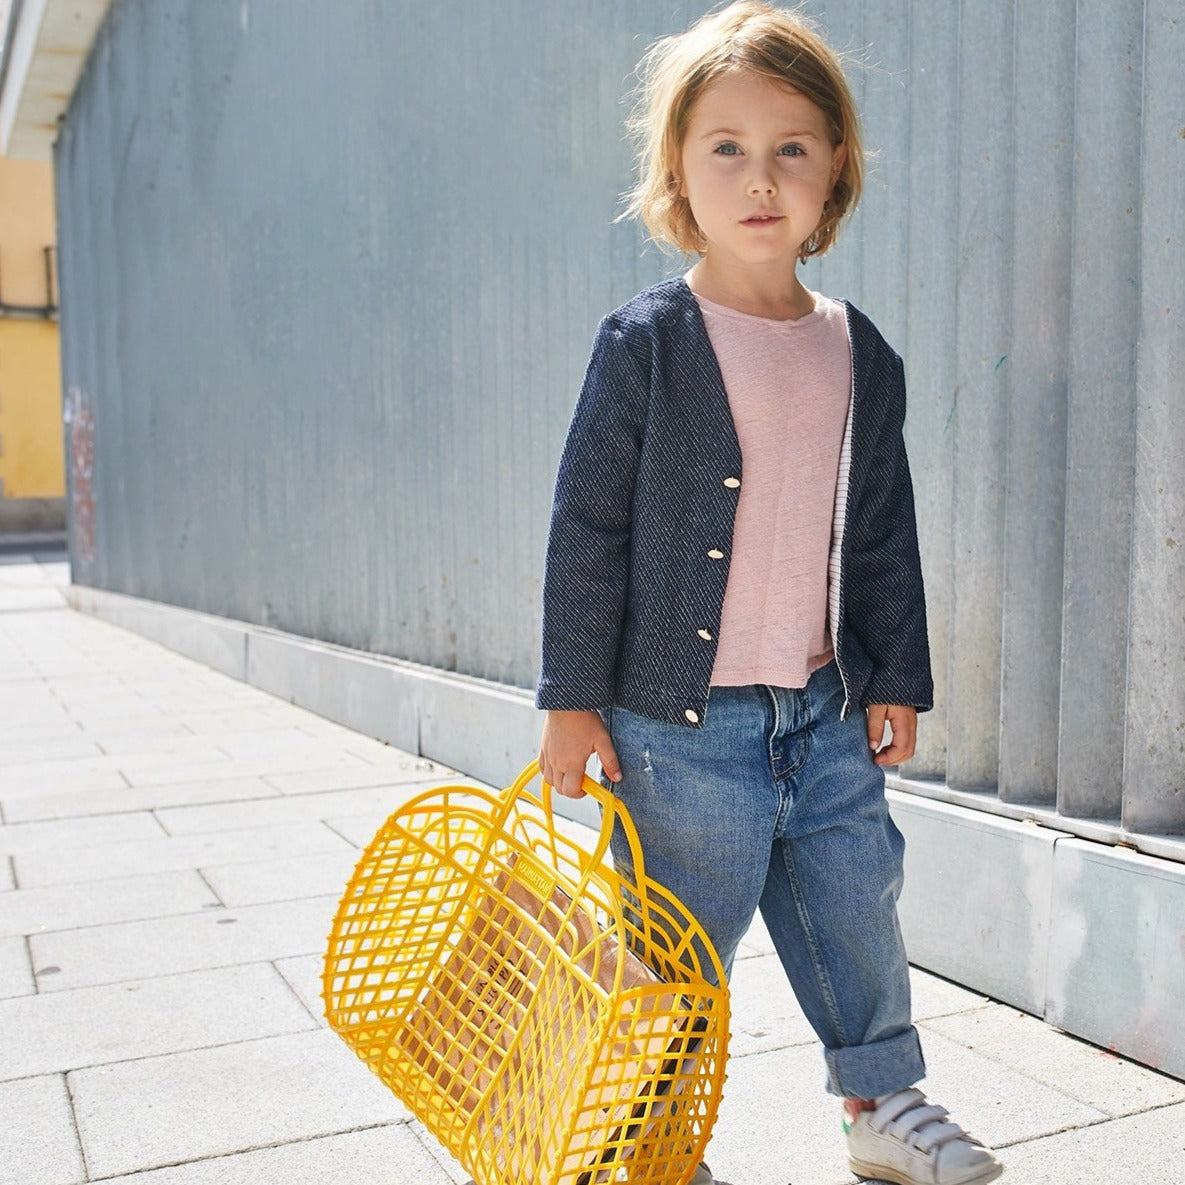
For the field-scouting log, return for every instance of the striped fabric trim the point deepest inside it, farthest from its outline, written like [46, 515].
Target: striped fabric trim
[842, 485]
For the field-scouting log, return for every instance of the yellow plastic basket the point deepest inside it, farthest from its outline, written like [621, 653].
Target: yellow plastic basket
[549, 1021]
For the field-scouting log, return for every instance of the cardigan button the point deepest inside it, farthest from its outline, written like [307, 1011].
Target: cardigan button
[714, 554]
[732, 483]
[705, 634]
[692, 716]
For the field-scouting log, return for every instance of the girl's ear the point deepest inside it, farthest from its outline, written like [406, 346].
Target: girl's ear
[838, 159]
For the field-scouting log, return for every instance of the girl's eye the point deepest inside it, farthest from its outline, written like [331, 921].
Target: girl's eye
[727, 149]
[792, 150]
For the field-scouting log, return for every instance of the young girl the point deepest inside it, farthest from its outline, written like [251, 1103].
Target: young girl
[733, 608]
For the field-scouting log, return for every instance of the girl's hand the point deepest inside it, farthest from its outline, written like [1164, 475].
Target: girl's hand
[569, 739]
[903, 728]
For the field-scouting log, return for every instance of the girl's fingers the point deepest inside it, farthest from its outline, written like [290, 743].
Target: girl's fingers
[903, 727]
[571, 784]
[891, 755]
[877, 715]
[608, 758]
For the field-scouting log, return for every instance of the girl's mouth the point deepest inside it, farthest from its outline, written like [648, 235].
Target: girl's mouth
[761, 220]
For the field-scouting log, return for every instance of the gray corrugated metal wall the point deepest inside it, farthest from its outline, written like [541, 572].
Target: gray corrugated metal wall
[330, 272]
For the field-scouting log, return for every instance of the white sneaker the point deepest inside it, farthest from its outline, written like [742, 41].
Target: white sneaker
[909, 1141]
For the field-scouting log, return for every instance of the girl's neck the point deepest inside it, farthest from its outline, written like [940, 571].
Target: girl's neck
[778, 296]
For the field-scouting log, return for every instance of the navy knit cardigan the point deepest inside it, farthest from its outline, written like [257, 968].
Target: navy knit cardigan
[642, 522]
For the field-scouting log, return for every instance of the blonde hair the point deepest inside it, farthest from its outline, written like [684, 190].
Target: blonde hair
[748, 35]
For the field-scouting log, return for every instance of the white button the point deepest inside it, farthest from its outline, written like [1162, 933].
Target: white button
[715, 555]
[733, 483]
[705, 634]
[692, 715]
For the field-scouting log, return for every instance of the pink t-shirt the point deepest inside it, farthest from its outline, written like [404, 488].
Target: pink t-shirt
[789, 388]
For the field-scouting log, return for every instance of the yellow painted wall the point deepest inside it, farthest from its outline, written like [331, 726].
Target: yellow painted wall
[31, 453]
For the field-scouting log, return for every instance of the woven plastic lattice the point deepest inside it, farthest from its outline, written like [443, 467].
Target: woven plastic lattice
[549, 1021]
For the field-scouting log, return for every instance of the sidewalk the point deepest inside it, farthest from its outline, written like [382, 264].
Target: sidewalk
[172, 844]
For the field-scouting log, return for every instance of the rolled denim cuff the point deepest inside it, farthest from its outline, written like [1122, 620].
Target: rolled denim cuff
[881, 1067]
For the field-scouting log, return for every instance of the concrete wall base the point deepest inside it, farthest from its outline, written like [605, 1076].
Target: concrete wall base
[1085, 935]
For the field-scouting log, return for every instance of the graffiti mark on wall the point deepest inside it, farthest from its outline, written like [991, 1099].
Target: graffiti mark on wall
[80, 423]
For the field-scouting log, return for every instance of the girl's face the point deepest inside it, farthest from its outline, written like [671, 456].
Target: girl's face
[757, 166]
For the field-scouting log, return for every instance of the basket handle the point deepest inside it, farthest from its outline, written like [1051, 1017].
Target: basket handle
[612, 809]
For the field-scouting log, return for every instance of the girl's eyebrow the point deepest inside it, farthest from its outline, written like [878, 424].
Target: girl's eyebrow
[802, 135]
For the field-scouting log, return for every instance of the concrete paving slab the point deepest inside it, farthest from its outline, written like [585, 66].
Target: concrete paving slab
[174, 852]
[777, 1124]
[1092, 1075]
[765, 1014]
[377, 751]
[287, 739]
[1000, 1104]
[60, 773]
[1005, 1086]
[57, 1031]
[21, 571]
[303, 976]
[20, 753]
[391, 1153]
[1147, 1149]
[358, 829]
[32, 786]
[55, 835]
[456, 1174]
[19, 723]
[393, 773]
[220, 722]
[934, 996]
[175, 742]
[104, 706]
[16, 975]
[222, 766]
[21, 600]
[37, 1141]
[756, 941]
[123, 899]
[157, 1111]
[164, 946]
[262, 881]
[195, 698]
[122, 798]
[151, 728]
[284, 808]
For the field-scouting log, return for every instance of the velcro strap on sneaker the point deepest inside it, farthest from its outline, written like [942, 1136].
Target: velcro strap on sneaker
[908, 1117]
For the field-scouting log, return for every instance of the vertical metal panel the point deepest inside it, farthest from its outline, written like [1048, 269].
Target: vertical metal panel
[885, 107]
[839, 273]
[984, 335]
[1104, 310]
[330, 274]
[1034, 496]
[345, 263]
[1154, 772]
[930, 357]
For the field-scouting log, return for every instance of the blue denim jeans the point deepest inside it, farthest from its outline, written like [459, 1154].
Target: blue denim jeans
[775, 804]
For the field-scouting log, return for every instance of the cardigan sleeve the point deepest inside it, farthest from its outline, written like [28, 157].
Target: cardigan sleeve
[885, 605]
[588, 549]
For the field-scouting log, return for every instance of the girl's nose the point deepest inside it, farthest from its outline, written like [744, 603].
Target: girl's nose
[761, 183]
